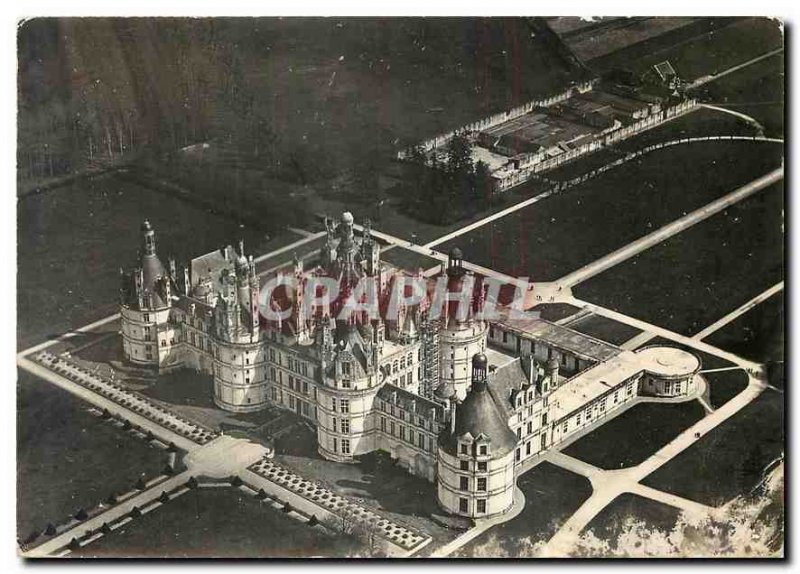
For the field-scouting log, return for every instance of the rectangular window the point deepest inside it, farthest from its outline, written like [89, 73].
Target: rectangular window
[544, 440]
[544, 419]
[345, 426]
[305, 388]
[402, 432]
[421, 441]
[530, 427]
[482, 466]
[484, 450]
[463, 483]
[527, 448]
[383, 424]
[516, 455]
[464, 465]
[291, 401]
[464, 449]
[333, 404]
[463, 505]
[482, 484]
[481, 506]
[345, 446]
[335, 446]
[391, 427]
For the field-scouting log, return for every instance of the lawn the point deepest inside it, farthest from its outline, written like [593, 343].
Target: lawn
[605, 329]
[694, 278]
[68, 459]
[729, 460]
[72, 242]
[375, 481]
[555, 311]
[758, 334]
[552, 495]
[756, 90]
[699, 123]
[632, 437]
[558, 235]
[629, 512]
[219, 523]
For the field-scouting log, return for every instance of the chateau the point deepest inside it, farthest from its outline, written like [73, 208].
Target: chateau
[459, 400]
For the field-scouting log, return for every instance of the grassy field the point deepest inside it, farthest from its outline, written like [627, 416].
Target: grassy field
[704, 47]
[555, 311]
[729, 460]
[552, 494]
[636, 434]
[724, 385]
[68, 459]
[696, 277]
[605, 329]
[758, 334]
[219, 523]
[627, 508]
[757, 91]
[375, 481]
[72, 242]
[548, 239]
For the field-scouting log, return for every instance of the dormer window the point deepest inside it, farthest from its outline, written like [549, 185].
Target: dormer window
[346, 368]
[464, 448]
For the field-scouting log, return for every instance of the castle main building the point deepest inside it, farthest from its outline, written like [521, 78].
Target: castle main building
[453, 398]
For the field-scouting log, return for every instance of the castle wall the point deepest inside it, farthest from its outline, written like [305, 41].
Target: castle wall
[148, 336]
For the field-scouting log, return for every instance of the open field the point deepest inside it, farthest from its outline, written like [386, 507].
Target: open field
[715, 52]
[219, 523]
[698, 49]
[605, 329]
[724, 385]
[758, 334]
[633, 436]
[757, 91]
[729, 460]
[552, 494]
[68, 459]
[699, 275]
[626, 511]
[553, 237]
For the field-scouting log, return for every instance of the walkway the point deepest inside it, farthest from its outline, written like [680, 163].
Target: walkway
[733, 315]
[667, 231]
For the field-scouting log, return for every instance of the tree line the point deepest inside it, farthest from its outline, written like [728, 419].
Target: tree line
[442, 188]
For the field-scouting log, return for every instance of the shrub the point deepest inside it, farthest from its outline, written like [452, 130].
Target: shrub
[313, 521]
[135, 512]
[51, 529]
[140, 485]
[287, 508]
[236, 481]
[81, 515]
[261, 494]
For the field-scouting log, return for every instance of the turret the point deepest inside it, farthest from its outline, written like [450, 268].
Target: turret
[148, 239]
